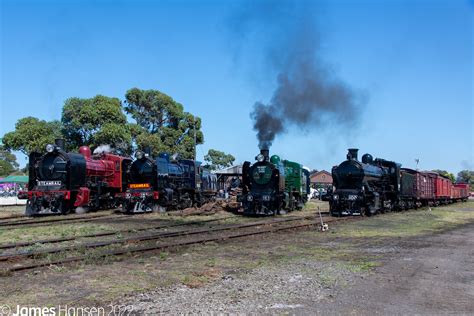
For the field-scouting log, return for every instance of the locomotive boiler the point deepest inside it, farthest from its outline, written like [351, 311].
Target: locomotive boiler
[364, 187]
[61, 181]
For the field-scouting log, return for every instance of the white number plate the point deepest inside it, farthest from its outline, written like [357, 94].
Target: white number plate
[352, 197]
[48, 183]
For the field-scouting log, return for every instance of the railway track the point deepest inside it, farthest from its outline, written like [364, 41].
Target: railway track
[42, 222]
[12, 217]
[179, 238]
[104, 234]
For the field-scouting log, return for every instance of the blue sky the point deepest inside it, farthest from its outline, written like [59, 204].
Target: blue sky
[414, 59]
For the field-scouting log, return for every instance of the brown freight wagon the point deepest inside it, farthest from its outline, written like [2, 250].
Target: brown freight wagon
[462, 191]
[417, 186]
[443, 189]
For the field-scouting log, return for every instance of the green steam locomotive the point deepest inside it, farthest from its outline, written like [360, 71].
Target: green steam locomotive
[272, 186]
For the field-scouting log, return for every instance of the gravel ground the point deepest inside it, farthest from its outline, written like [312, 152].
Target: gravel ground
[266, 290]
[428, 275]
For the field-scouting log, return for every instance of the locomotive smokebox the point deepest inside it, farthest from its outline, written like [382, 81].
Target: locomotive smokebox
[59, 142]
[266, 153]
[352, 153]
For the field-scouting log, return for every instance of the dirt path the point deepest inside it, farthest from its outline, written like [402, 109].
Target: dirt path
[430, 275]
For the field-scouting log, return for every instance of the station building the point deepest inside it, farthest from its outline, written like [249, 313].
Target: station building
[321, 179]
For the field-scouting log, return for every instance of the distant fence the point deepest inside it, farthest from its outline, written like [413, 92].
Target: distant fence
[10, 201]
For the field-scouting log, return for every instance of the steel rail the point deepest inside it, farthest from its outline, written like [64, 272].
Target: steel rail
[158, 247]
[103, 234]
[146, 237]
[38, 223]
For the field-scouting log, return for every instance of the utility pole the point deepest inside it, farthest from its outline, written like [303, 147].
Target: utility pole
[194, 121]
[196, 174]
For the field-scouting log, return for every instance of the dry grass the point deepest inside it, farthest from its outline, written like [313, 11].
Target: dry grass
[101, 281]
[410, 223]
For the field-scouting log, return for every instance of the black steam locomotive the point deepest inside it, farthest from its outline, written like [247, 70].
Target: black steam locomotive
[364, 188]
[164, 183]
[61, 181]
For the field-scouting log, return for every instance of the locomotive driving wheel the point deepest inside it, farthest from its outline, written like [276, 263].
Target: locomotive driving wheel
[61, 206]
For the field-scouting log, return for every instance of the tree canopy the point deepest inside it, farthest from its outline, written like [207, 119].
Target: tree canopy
[218, 160]
[31, 134]
[446, 174]
[466, 176]
[163, 125]
[8, 163]
[160, 123]
[95, 121]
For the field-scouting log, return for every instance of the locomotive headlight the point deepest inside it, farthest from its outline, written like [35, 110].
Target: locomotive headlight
[335, 197]
[50, 148]
[249, 198]
[139, 154]
[260, 157]
[266, 198]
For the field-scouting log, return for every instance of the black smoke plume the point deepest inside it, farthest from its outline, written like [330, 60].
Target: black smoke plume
[308, 94]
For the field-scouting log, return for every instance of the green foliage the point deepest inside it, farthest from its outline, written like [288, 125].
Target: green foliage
[466, 176]
[7, 156]
[218, 160]
[162, 123]
[446, 174]
[31, 134]
[95, 121]
[5, 168]
[8, 163]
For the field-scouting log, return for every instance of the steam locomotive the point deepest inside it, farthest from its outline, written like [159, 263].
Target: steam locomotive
[376, 186]
[271, 186]
[164, 183]
[60, 181]
[364, 188]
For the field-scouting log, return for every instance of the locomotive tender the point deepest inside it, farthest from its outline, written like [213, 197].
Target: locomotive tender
[271, 186]
[60, 181]
[160, 184]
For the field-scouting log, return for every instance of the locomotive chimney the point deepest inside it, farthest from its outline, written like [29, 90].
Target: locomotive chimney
[266, 153]
[59, 142]
[352, 154]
